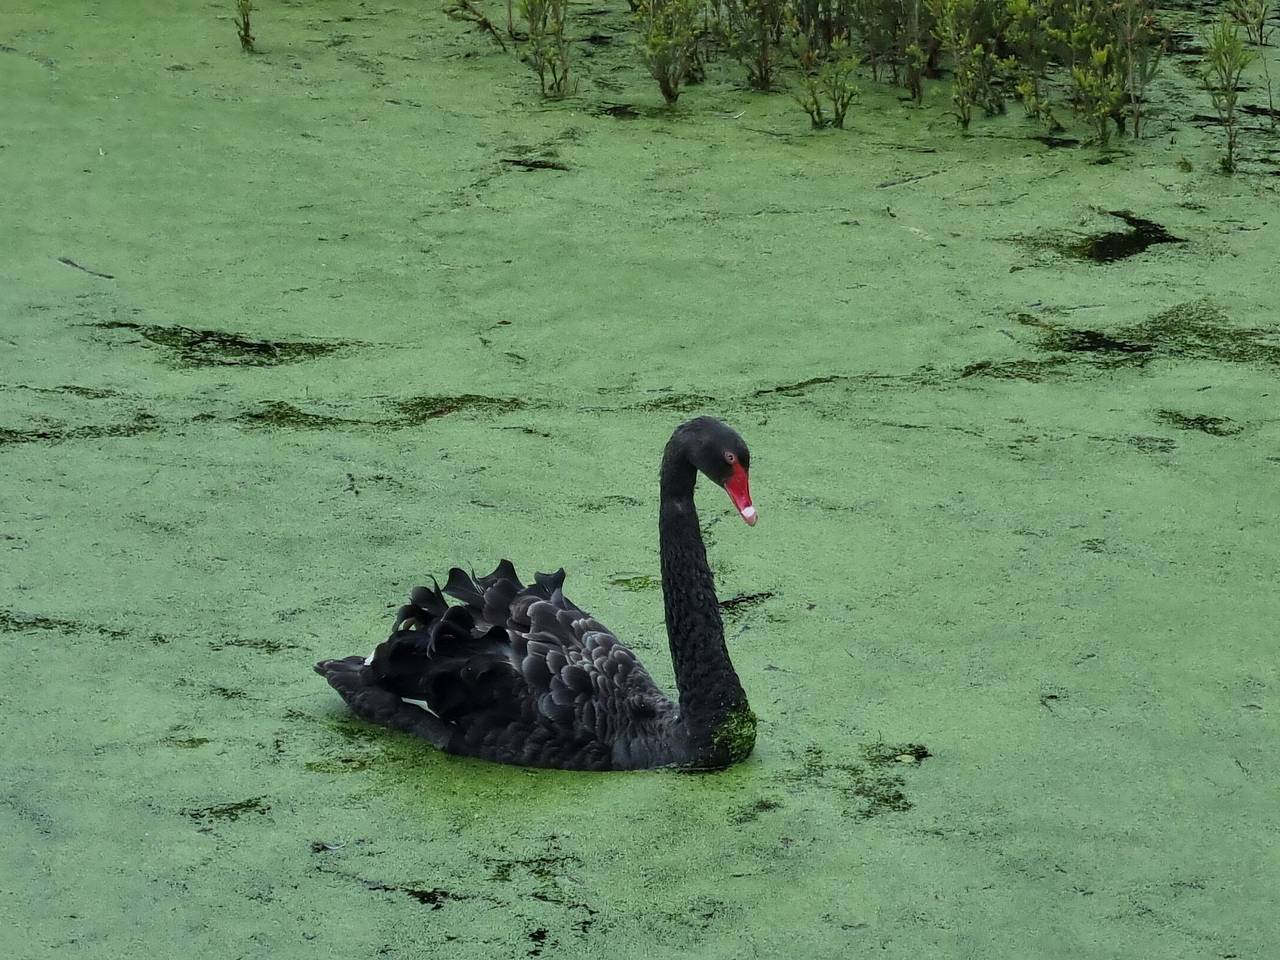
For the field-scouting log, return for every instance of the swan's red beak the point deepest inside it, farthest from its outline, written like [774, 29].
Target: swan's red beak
[740, 493]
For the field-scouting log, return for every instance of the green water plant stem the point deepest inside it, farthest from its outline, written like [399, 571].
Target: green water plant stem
[547, 50]
[668, 41]
[827, 80]
[1226, 59]
[1098, 91]
[244, 8]
[751, 30]
[876, 23]
[960, 26]
[1138, 51]
[1252, 15]
[1026, 33]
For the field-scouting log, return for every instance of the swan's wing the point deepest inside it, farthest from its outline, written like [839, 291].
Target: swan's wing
[583, 676]
[523, 656]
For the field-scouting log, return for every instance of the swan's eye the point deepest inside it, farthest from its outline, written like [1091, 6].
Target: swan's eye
[730, 457]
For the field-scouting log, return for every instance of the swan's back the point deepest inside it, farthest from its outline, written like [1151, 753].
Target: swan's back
[515, 674]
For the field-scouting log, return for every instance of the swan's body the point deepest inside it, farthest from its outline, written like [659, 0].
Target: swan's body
[519, 674]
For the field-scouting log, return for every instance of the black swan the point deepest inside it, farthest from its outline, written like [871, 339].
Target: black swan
[518, 674]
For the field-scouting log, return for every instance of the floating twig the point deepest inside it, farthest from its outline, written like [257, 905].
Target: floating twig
[96, 273]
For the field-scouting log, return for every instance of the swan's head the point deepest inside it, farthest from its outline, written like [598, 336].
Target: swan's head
[718, 452]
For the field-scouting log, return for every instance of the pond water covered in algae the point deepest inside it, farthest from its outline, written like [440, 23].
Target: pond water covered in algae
[285, 334]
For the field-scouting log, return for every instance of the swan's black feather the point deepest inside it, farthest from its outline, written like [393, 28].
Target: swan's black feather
[515, 673]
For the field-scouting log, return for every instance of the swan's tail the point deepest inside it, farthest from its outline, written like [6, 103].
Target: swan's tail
[356, 684]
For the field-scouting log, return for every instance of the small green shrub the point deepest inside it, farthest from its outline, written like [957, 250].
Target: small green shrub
[827, 80]
[965, 29]
[878, 23]
[751, 30]
[1098, 91]
[1252, 14]
[1226, 58]
[547, 51]
[669, 41]
[1138, 50]
[822, 23]
[1029, 36]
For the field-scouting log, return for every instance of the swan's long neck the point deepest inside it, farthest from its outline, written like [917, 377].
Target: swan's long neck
[712, 702]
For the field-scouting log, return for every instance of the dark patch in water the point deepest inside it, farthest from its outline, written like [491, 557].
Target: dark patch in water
[417, 410]
[1214, 426]
[1189, 331]
[735, 607]
[621, 111]
[227, 693]
[539, 937]
[1256, 111]
[873, 787]
[435, 898]
[259, 644]
[750, 812]
[11, 622]
[1199, 330]
[534, 163]
[278, 414]
[1144, 443]
[339, 764]
[540, 868]
[187, 743]
[141, 423]
[1113, 245]
[606, 503]
[229, 811]
[1032, 371]
[635, 584]
[1090, 341]
[795, 389]
[1049, 140]
[217, 348]
[679, 402]
[887, 755]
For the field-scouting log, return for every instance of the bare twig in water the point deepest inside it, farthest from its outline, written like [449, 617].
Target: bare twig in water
[898, 181]
[71, 263]
[465, 11]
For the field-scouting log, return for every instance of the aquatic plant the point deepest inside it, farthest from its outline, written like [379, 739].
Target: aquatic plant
[1098, 91]
[465, 11]
[243, 10]
[1083, 33]
[877, 23]
[961, 26]
[1252, 15]
[1226, 58]
[821, 22]
[1138, 51]
[1027, 33]
[897, 34]
[751, 29]
[827, 79]
[548, 49]
[668, 41]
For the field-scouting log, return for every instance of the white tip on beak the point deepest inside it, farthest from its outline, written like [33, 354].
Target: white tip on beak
[749, 515]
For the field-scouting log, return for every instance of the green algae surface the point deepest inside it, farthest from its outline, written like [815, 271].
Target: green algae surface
[285, 334]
